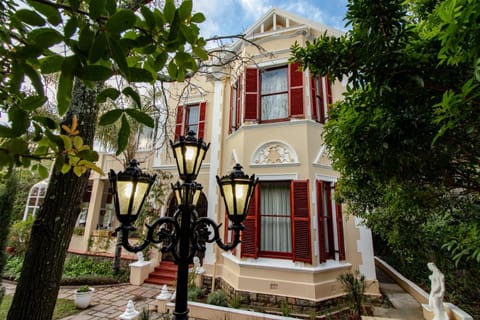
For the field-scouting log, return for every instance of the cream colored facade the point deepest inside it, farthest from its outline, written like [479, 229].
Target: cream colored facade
[275, 151]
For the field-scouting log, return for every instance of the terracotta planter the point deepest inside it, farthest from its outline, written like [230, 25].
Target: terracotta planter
[82, 299]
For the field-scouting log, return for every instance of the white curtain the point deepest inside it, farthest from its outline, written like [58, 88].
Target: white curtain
[193, 116]
[275, 217]
[274, 103]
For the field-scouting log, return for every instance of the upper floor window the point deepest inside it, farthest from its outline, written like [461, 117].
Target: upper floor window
[274, 94]
[191, 117]
[235, 99]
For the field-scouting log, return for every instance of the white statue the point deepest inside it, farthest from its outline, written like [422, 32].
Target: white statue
[198, 267]
[437, 291]
[140, 257]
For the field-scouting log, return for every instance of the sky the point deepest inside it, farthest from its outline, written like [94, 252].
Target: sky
[229, 17]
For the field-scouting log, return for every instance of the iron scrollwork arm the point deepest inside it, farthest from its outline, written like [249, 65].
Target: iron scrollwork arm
[202, 234]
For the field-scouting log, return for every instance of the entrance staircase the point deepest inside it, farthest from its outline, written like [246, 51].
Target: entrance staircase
[164, 273]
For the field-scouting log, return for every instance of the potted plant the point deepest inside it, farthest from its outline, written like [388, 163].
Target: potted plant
[83, 296]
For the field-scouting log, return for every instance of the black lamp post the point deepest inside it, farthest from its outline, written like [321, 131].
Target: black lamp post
[184, 234]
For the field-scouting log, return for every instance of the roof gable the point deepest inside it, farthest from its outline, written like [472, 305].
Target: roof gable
[277, 20]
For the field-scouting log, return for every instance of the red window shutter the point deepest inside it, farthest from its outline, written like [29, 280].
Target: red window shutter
[239, 100]
[340, 237]
[201, 120]
[251, 94]
[295, 90]
[313, 98]
[179, 131]
[302, 246]
[329, 95]
[230, 124]
[250, 234]
[321, 221]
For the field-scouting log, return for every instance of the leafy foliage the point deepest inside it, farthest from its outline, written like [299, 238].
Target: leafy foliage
[355, 285]
[405, 137]
[92, 41]
[218, 298]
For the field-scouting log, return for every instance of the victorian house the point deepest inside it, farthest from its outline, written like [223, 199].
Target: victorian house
[262, 112]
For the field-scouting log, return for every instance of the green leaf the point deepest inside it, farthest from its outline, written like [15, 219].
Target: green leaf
[149, 17]
[5, 132]
[46, 122]
[74, 4]
[51, 12]
[110, 117]
[44, 37]
[65, 84]
[99, 47]
[198, 17]
[30, 17]
[33, 102]
[172, 70]
[185, 10]
[42, 171]
[18, 75]
[122, 20]
[19, 120]
[123, 135]
[128, 91]
[187, 33]
[70, 27]
[169, 11]
[201, 53]
[51, 64]
[35, 78]
[94, 73]
[111, 93]
[86, 38]
[118, 55]
[95, 9]
[111, 6]
[139, 75]
[160, 60]
[141, 117]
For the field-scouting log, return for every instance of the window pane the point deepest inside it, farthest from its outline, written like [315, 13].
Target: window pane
[275, 107]
[274, 81]
[192, 119]
[275, 217]
[274, 94]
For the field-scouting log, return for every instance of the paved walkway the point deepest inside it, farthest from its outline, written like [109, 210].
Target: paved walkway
[405, 307]
[109, 302]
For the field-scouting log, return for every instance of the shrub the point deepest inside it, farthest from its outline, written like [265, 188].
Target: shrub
[195, 293]
[217, 298]
[20, 235]
[14, 266]
[354, 285]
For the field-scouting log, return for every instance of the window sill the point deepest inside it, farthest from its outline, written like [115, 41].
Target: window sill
[283, 264]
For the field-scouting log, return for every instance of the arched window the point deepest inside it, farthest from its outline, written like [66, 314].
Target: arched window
[35, 198]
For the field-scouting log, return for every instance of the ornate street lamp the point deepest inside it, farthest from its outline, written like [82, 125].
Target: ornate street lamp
[184, 234]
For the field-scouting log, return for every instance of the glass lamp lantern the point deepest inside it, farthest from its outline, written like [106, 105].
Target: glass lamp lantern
[130, 189]
[189, 153]
[237, 189]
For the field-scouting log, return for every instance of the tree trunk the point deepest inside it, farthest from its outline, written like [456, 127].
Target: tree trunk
[7, 197]
[39, 282]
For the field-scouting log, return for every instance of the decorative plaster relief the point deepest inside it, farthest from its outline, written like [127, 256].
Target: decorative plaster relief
[273, 153]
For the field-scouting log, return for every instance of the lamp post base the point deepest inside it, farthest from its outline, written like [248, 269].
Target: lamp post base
[180, 315]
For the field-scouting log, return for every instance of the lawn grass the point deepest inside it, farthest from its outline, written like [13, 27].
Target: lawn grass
[63, 308]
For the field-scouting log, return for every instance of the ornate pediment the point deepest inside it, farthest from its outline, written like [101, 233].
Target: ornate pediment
[323, 158]
[274, 153]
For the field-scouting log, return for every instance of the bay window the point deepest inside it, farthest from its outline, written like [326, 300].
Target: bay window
[191, 117]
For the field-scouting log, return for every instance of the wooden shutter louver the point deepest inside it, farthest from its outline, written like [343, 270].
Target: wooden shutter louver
[230, 123]
[201, 120]
[313, 98]
[302, 247]
[251, 94]
[250, 233]
[179, 122]
[321, 221]
[340, 236]
[295, 91]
